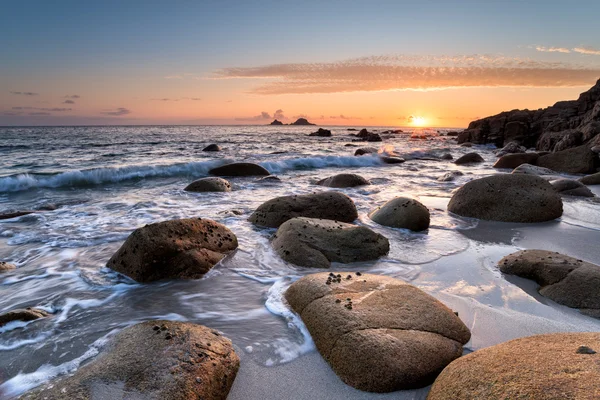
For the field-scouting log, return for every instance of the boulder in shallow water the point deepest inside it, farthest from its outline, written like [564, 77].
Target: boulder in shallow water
[507, 198]
[577, 160]
[344, 181]
[153, 360]
[325, 205]
[510, 148]
[211, 184]
[593, 179]
[269, 179]
[514, 160]
[402, 212]
[177, 249]
[315, 243]
[321, 133]
[379, 334]
[15, 214]
[25, 314]
[240, 169]
[4, 266]
[450, 176]
[528, 169]
[469, 158]
[570, 187]
[566, 280]
[212, 147]
[392, 160]
[365, 150]
[447, 156]
[541, 367]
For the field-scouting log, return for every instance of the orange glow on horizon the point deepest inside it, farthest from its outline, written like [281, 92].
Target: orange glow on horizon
[418, 121]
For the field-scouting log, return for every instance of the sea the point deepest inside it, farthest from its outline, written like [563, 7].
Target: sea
[90, 187]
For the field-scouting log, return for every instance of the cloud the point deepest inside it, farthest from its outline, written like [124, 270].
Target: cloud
[279, 114]
[402, 72]
[43, 109]
[196, 98]
[553, 49]
[117, 112]
[72, 96]
[39, 113]
[262, 117]
[25, 93]
[68, 102]
[587, 50]
[342, 116]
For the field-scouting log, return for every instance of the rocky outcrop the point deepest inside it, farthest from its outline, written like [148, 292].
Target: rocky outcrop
[365, 150]
[164, 360]
[542, 367]
[212, 147]
[404, 213]
[512, 161]
[593, 179]
[379, 334]
[276, 122]
[240, 169]
[315, 243]
[450, 176]
[321, 133]
[4, 266]
[507, 198]
[177, 249]
[25, 315]
[301, 121]
[566, 280]
[325, 205]
[570, 187]
[344, 181]
[510, 148]
[564, 125]
[211, 184]
[364, 135]
[469, 158]
[577, 160]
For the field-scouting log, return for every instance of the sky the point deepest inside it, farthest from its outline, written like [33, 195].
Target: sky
[390, 63]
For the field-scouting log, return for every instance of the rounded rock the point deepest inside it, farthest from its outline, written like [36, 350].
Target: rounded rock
[402, 212]
[240, 169]
[344, 181]
[211, 184]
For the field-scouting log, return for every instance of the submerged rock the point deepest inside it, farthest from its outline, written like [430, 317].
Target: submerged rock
[25, 314]
[315, 243]
[325, 205]
[365, 150]
[269, 179]
[211, 184]
[4, 266]
[344, 181]
[379, 334]
[571, 187]
[212, 147]
[392, 160]
[450, 176]
[402, 212]
[507, 198]
[153, 360]
[446, 156]
[321, 133]
[469, 158]
[593, 179]
[240, 169]
[541, 367]
[177, 249]
[15, 214]
[578, 160]
[514, 160]
[566, 280]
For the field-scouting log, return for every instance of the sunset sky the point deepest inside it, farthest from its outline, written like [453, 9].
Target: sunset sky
[335, 62]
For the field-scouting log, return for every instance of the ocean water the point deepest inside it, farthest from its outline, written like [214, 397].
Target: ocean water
[92, 186]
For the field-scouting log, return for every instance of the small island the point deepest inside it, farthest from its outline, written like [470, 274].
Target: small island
[276, 122]
[299, 121]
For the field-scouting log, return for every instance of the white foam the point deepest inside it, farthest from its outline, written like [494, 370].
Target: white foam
[278, 167]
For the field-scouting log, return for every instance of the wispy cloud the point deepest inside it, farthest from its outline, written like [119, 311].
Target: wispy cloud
[402, 72]
[72, 96]
[553, 49]
[342, 116]
[57, 109]
[68, 102]
[38, 113]
[24, 93]
[587, 50]
[117, 112]
[263, 116]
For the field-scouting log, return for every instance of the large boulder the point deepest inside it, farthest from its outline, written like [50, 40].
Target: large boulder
[25, 314]
[469, 158]
[181, 248]
[542, 367]
[514, 160]
[240, 169]
[212, 147]
[529, 169]
[510, 148]
[344, 181]
[325, 205]
[593, 179]
[402, 212]
[4, 266]
[379, 334]
[321, 133]
[566, 280]
[578, 160]
[210, 184]
[161, 360]
[365, 150]
[507, 198]
[570, 187]
[312, 242]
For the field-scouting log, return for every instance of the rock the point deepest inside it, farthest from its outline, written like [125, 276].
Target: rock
[392, 160]
[466, 144]
[15, 214]
[365, 150]
[507, 198]
[276, 122]
[450, 176]
[240, 169]
[269, 179]
[566, 280]
[180, 248]
[379, 334]
[374, 137]
[212, 147]
[578, 160]
[447, 156]
[211, 184]
[344, 181]
[4, 266]
[365, 135]
[177, 361]
[402, 212]
[325, 205]
[585, 350]
[593, 179]
[301, 121]
[315, 243]
[514, 160]
[321, 132]
[25, 314]
[529, 169]
[540, 367]
[469, 158]
[571, 187]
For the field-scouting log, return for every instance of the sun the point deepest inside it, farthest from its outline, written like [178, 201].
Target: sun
[418, 121]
